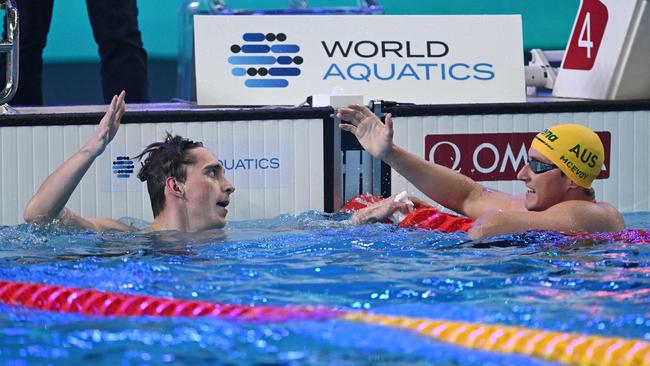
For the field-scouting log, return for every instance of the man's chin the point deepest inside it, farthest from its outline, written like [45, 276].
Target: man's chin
[217, 225]
[535, 207]
[531, 204]
[211, 226]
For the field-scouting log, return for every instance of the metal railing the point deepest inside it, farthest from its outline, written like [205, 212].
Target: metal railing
[303, 7]
[9, 46]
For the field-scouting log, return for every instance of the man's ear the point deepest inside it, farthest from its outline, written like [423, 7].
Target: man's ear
[573, 185]
[570, 184]
[174, 187]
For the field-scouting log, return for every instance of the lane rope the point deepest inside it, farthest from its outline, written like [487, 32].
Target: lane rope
[99, 303]
[568, 348]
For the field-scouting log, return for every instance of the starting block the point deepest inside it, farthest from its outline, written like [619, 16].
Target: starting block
[608, 52]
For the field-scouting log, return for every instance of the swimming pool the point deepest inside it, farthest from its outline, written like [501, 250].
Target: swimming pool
[536, 280]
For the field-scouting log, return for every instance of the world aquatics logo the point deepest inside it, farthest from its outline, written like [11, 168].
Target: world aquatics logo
[265, 60]
[123, 167]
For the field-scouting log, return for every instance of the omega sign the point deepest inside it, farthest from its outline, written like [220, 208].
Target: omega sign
[490, 156]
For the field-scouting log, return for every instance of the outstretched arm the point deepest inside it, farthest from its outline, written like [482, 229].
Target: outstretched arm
[445, 186]
[49, 201]
[568, 216]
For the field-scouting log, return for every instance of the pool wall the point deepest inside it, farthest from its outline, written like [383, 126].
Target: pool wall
[275, 160]
[290, 160]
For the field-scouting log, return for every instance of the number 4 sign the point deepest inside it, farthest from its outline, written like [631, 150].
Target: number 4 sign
[608, 51]
[584, 45]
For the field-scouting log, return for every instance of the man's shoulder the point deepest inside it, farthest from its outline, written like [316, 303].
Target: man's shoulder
[612, 212]
[104, 224]
[594, 207]
[95, 223]
[598, 216]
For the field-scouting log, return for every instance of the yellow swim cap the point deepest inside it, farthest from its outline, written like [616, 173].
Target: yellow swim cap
[575, 149]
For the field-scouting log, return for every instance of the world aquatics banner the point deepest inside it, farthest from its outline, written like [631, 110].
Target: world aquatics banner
[253, 60]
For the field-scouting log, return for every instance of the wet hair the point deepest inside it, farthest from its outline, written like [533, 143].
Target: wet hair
[164, 160]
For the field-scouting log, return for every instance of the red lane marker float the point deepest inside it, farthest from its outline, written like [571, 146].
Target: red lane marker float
[421, 218]
[431, 219]
[98, 303]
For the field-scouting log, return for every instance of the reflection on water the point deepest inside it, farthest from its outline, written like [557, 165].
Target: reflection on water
[535, 279]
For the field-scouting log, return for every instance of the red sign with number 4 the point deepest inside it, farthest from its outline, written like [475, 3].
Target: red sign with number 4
[587, 36]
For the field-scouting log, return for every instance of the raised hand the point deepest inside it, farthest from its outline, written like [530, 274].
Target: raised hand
[375, 136]
[109, 124]
[49, 201]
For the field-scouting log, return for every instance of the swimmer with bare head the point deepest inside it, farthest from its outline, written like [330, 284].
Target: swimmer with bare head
[187, 185]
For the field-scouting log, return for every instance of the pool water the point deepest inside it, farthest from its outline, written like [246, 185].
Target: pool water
[539, 280]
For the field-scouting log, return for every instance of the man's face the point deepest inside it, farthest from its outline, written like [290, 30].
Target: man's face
[545, 189]
[207, 191]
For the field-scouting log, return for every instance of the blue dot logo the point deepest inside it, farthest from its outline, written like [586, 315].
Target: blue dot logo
[123, 167]
[265, 61]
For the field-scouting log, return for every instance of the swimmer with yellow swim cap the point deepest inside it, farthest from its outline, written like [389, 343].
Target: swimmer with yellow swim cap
[575, 149]
[562, 163]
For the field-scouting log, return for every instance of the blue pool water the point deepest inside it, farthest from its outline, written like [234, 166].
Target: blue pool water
[536, 280]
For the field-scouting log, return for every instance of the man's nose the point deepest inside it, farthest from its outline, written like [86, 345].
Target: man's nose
[229, 187]
[524, 173]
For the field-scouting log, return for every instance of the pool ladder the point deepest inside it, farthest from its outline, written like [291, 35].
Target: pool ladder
[9, 46]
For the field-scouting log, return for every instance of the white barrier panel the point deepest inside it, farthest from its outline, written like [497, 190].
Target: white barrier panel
[252, 60]
[626, 185]
[275, 165]
[608, 51]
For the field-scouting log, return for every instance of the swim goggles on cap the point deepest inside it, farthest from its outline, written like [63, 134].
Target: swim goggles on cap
[539, 167]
